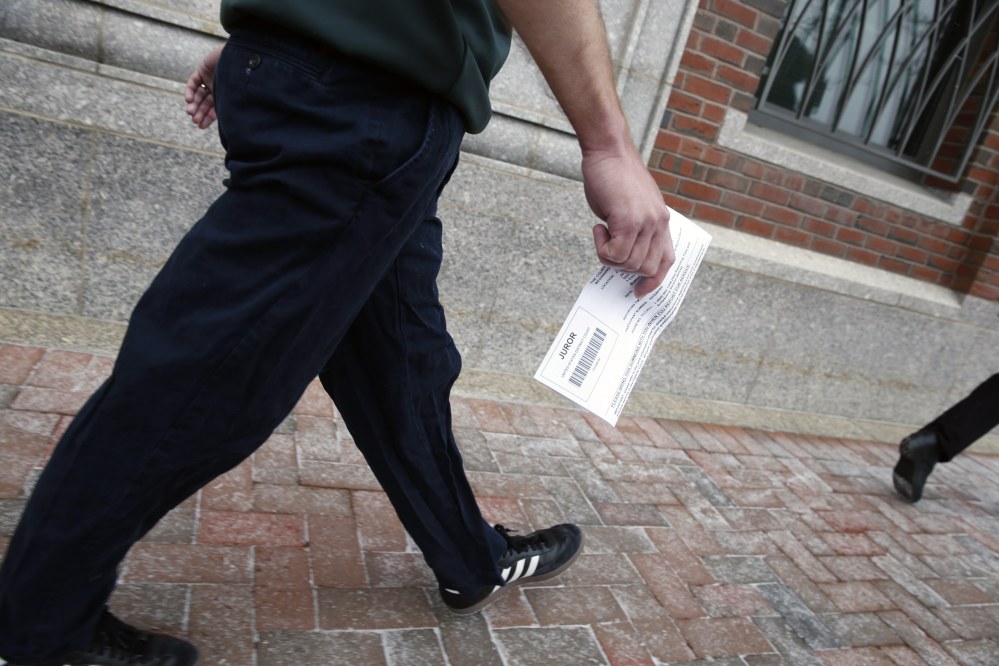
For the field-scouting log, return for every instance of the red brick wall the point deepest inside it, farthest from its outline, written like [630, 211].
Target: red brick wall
[725, 52]
[983, 217]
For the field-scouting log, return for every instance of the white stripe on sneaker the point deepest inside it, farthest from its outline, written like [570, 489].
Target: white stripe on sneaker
[534, 565]
[520, 570]
[530, 568]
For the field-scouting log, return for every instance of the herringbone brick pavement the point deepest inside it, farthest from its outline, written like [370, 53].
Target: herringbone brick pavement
[705, 543]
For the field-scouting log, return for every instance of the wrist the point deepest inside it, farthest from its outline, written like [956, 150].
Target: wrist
[605, 135]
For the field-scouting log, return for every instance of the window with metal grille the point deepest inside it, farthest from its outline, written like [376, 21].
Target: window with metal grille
[907, 85]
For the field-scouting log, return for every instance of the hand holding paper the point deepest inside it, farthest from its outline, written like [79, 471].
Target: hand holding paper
[609, 333]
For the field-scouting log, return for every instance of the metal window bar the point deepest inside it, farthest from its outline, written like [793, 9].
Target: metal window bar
[929, 40]
[986, 68]
[942, 70]
[938, 81]
[895, 73]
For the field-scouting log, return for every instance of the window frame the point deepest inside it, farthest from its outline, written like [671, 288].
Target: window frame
[951, 101]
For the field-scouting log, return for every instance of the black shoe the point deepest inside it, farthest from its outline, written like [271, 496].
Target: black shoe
[118, 644]
[538, 556]
[919, 453]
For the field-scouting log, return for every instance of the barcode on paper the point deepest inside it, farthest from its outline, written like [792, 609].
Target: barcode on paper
[589, 356]
[576, 361]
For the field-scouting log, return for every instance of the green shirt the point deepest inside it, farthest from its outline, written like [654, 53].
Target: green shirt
[451, 47]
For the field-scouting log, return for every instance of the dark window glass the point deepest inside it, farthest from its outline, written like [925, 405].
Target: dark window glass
[905, 84]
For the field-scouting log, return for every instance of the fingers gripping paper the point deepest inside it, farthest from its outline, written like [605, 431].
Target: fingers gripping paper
[608, 335]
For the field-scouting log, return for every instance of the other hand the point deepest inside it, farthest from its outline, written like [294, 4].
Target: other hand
[198, 93]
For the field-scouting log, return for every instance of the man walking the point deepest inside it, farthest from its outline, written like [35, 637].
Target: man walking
[341, 123]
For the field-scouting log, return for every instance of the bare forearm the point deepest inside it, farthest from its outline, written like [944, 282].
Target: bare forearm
[568, 41]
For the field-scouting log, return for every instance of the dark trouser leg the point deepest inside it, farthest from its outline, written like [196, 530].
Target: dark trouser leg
[968, 420]
[333, 166]
[391, 379]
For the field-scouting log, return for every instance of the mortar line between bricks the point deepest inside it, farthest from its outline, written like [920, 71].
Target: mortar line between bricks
[500, 648]
[314, 589]
[440, 643]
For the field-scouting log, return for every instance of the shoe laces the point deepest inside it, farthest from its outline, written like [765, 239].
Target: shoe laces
[521, 544]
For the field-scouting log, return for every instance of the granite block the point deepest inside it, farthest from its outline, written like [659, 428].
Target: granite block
[42, 212]
[858, 358]
[151, 47]
[663, 36]
[160, 34]
[475, 247]
[521, 87]
[978, 361]
[753, 254]
[619, 18]
[66, 26]
[980, 312]
[642, 95]
[144, 198]
[204, 9]
[83, 98]
[519, 194]
[542, 278]
[558, 153]
[715, 345]
[506, 139]
[512, 239]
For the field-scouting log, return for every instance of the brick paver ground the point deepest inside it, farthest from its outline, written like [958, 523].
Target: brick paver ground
[705, 543]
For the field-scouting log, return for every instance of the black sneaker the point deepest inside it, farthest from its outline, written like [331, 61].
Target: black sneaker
[538, 556]
[918, 454]
[118, 644]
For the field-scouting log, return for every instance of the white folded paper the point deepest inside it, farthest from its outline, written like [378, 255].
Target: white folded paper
[608, 335]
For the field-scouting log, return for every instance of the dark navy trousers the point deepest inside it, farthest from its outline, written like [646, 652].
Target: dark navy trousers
[320, 259]
[968, 420]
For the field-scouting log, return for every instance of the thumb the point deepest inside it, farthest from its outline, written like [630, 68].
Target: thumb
[611, 250]
[601, 241]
